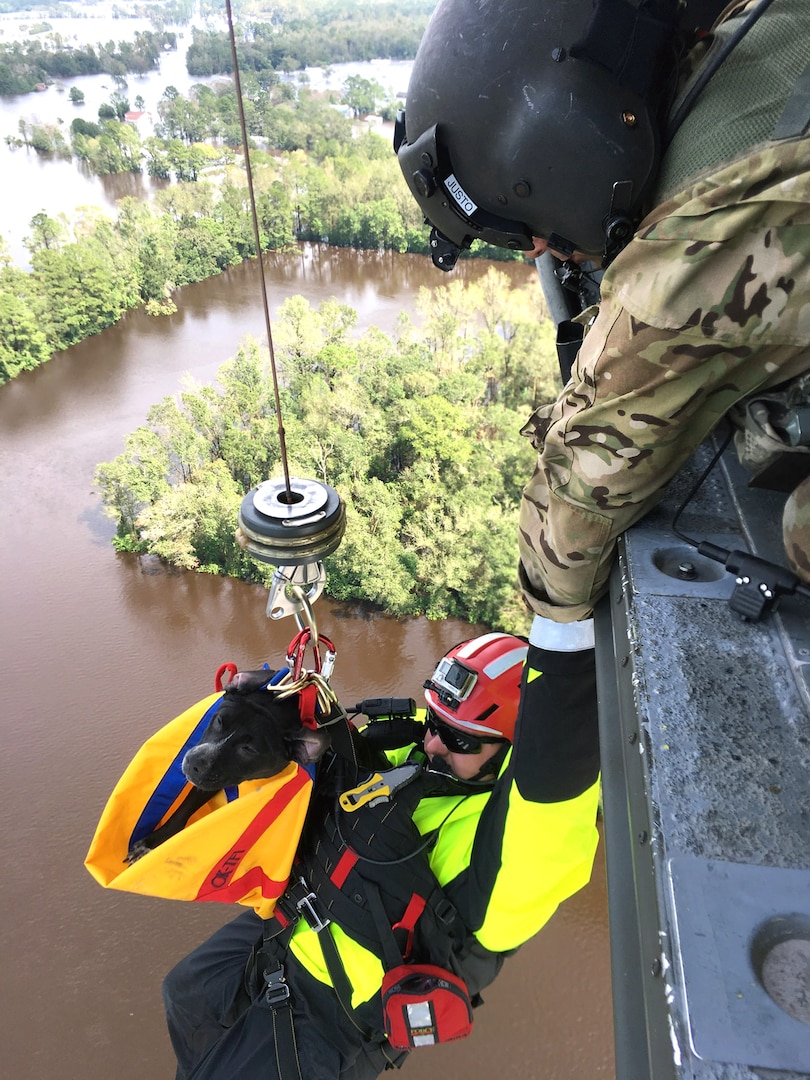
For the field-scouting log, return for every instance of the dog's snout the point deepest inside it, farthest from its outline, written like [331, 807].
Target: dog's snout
[191, 770]
[196, 766]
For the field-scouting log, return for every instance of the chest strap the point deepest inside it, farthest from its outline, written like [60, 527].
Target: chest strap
[276, 998]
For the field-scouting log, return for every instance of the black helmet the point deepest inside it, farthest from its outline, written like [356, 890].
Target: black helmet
[536, 118]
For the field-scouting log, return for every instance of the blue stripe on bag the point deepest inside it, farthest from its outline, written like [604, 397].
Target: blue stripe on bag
[172, 783]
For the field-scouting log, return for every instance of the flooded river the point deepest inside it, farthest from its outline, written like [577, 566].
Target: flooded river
[102, 649]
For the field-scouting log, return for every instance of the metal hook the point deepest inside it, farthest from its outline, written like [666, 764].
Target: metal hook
[305, 615]
[293, 589]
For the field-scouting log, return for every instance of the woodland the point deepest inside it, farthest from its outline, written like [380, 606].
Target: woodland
[282, 36]
[319, 182]
[317, 178]
[418, 432]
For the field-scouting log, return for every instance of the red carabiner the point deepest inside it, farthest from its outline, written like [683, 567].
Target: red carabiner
[230, 668]
[297, 648]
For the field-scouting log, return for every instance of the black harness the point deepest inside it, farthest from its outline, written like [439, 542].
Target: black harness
[363, 864]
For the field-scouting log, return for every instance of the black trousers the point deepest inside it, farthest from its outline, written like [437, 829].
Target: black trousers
[221, 1030]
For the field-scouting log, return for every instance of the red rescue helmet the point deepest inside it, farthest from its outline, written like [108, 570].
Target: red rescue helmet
[476, 686]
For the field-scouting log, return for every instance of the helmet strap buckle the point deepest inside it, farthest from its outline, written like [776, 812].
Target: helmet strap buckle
[618, 223]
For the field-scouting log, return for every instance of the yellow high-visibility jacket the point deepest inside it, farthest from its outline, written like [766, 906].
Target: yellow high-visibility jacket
[526, 856]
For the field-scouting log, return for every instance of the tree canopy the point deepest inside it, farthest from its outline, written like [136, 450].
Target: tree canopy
[417, 433]
[24, 65]
[286, 35]
[322, 184]
[292, 35]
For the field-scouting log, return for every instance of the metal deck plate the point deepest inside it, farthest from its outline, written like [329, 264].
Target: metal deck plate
[723, 911]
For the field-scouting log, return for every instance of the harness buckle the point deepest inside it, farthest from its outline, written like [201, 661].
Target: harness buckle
[306, 907]
[445, 913]
[302, 898]
[276, 989]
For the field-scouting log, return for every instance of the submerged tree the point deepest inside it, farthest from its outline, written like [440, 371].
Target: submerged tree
[23, 344]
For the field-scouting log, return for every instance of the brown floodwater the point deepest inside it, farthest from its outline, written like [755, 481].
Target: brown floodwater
[102, 649]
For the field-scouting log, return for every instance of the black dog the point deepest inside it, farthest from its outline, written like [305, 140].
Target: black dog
[252, 736]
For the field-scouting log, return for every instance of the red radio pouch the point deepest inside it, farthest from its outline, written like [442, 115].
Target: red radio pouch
[423, 1005]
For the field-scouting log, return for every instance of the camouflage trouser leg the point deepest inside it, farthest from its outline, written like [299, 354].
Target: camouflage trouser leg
[796, 530]
[640, 401]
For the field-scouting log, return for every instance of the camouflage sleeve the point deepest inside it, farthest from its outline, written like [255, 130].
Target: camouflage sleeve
[707, 304]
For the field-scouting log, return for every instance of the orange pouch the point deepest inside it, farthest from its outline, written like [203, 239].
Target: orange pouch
[238, 848]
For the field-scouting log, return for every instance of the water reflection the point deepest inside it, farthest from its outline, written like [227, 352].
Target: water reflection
[129, 185]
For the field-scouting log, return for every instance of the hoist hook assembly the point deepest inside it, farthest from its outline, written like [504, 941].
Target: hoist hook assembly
[290, 523]
[291, 529]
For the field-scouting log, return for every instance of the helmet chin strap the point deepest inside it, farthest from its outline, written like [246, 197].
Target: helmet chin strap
[483, 780]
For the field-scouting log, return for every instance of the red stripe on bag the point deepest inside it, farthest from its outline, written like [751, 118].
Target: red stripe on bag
[231, 892]
[218, 882]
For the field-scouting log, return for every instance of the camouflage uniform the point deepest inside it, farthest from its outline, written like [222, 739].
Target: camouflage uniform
[709, 303]
[796, 530]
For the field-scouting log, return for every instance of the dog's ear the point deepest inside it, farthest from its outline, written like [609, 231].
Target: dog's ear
[245, 682]
[307, 746]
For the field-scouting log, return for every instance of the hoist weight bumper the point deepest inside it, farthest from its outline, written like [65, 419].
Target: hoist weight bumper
[291, 533]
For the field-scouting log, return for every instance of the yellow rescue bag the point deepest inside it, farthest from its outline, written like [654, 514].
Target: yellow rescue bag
[238, 849]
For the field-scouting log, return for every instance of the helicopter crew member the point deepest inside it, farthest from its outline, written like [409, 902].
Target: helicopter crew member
[536, 125]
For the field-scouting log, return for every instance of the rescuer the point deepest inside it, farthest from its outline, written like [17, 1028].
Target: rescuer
[419, 870]
[568, 126]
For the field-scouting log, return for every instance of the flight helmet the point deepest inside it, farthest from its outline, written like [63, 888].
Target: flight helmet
[536, 118]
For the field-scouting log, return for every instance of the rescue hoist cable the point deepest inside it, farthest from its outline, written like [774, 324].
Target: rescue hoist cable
[257, 237]
[295, 524]
[299, 522]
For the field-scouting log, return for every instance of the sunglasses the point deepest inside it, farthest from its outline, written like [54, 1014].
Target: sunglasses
[457, 741]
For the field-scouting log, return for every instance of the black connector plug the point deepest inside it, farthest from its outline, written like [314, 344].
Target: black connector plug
[388, 706]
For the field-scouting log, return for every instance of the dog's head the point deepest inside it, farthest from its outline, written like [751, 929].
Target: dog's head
[251, 736]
